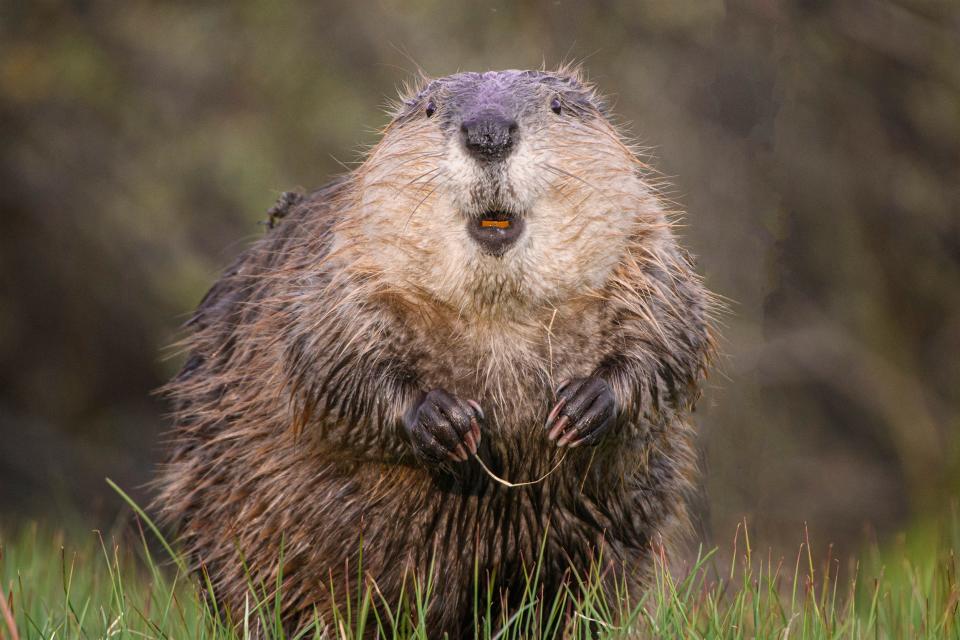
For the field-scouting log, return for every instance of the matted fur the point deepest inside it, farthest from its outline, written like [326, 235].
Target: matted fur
[305, 355]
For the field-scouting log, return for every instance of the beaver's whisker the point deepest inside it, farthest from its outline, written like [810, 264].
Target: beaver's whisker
[546, 185]
[604, 194]
[409, 158]
[426, 184]
[423, 175]
[424, 199]
[564, 172]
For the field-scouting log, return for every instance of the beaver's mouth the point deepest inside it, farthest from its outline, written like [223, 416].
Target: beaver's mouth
[495, 231]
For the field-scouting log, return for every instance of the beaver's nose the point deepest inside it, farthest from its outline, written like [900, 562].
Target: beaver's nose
[489, 137]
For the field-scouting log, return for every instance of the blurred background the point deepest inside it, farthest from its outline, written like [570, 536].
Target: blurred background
[815, 146]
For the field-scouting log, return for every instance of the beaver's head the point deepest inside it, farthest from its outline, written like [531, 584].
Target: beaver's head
[499, 187]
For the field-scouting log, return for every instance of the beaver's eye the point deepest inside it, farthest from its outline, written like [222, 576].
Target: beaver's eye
[431, 109]
[555, 106]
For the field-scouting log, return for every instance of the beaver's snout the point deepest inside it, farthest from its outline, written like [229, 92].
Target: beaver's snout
[495, 231]
[489, 136]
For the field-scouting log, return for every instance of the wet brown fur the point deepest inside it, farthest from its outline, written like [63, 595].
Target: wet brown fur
[307, 352]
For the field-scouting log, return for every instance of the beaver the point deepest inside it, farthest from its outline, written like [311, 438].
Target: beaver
[475, 354]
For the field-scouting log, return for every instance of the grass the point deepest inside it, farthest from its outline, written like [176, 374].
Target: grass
[95, 585]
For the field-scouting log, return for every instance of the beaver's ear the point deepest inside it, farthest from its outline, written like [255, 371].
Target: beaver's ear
[572, 72]
[599, 103]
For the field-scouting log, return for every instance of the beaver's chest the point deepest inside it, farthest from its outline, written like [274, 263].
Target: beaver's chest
[510, 367]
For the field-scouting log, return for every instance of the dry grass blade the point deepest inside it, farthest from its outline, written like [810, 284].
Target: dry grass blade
[6, 608]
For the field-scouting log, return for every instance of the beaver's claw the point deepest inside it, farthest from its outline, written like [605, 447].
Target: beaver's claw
[583, 413]
[442, 427]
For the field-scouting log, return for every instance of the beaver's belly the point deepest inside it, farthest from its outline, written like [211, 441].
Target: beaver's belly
[483, 538]
[464, 520]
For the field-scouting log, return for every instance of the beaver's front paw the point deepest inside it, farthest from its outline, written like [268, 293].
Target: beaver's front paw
[442, 427]
[583, 413]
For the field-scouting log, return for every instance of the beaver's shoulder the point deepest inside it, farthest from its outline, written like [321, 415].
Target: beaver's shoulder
[296, 217]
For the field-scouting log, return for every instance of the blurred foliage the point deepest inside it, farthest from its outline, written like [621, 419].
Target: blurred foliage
[814, 145]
